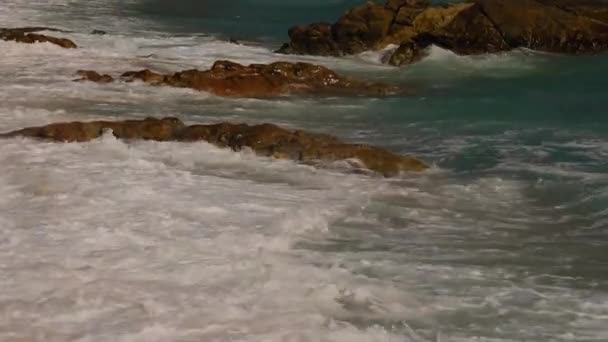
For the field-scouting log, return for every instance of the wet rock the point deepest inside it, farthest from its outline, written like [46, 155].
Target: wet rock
[362, 28]
[314, 39]
[227, 78]
[27, 35]
[473, 27]
[145, 75]
[407, 53]
[147, 129]
[595, 9]
[546, 26]
[30, 29]
[94, 76]
[264, 139]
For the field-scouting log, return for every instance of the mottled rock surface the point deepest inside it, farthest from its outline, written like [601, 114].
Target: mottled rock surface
[227, 78]
[264, 139]
[467, 28]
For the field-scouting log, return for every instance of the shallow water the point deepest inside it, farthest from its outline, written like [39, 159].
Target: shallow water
[504, 240]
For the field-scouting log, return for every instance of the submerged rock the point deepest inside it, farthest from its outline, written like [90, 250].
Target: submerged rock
[473, 27]
[27, 35]
[94, 76]
[264, 139]
[227, 78]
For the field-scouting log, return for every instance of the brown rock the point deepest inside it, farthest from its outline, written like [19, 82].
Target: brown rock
[363, 28]
[373, 158]
[408, 52]
[94, 76]
[395, 5]
[26, 35]
[265, 139]
[147, 129]
[465, 30]
[227, 78]
[546, 27]
[144, 75]
[314, 39]
[595, 9]
[473, 27]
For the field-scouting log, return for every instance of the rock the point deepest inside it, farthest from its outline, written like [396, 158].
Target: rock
[30, 29]
[408, 52]
[395, 5]
[373, 158]
[26, 35]
[473, 27]
[596, 9]
[264, 139]
[148, 129]
[145, 75]
[99, 32]
[314, 39]
[465, 31]
[227, 78]
[547, 26]
[94, 76]
[362, 28]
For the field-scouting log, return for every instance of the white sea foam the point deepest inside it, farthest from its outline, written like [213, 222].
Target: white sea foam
[148, 241]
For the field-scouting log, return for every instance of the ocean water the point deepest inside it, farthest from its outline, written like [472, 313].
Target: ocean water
[505, 239]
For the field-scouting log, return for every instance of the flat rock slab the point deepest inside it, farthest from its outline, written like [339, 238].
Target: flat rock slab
[264, 139]
[227, 78]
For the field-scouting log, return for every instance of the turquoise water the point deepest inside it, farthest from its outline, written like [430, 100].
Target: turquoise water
[504, 240]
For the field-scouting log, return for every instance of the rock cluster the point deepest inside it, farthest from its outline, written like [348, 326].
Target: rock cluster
[28, 35]
[227, 78]
[472, 27]
[264, 139]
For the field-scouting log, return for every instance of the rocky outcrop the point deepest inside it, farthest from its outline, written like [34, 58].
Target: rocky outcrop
[94, 76]
[473, 27]
[28, 35]
[265, 139]
[227, 78]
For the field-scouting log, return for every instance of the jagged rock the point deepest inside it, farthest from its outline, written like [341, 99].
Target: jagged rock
[473, 27]
[264, 139]
[227, 78]
[27, 35]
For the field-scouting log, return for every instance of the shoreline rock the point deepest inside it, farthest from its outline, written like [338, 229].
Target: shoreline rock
[231, 79]
[27, 35]
[264, 139]
[466, 28]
